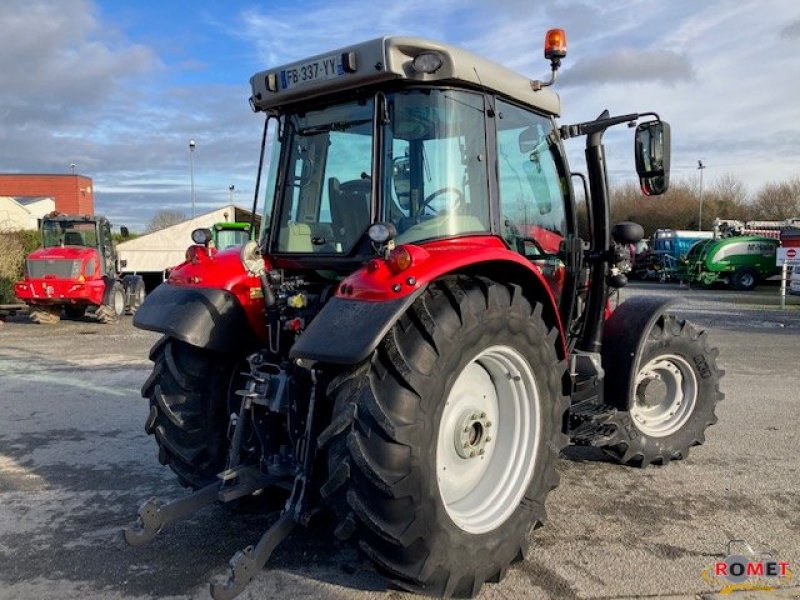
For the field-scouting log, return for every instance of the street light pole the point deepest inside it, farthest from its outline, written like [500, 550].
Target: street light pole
[230, 189]
[192, 145]
[700, 167]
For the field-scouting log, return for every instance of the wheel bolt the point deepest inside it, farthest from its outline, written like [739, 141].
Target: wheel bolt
[488, 439]
[483, 415]
[482, 451]
[488, 424]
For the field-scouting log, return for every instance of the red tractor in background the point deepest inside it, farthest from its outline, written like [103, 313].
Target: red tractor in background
[76, 269]
[420, 329]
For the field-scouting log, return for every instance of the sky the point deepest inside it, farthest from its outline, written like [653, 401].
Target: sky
[119, 88]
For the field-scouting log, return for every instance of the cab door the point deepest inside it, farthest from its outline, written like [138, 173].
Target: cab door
[535, 197]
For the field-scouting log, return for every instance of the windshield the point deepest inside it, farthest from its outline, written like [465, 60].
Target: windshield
[68, 233]
[325, 203]
[228, 238]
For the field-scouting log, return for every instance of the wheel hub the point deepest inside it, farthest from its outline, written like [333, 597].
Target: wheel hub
[651, 391]
[472, 434]
[665, 395]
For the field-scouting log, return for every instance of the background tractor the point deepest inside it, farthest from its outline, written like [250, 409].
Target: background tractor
[76, 269]
[419, 330]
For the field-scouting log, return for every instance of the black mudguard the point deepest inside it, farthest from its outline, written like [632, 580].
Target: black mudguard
[346, 331]
[624, 336]
[202, 317]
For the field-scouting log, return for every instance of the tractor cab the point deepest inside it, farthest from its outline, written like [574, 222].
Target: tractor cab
[226, 234]
[62, 231]
[407, 136]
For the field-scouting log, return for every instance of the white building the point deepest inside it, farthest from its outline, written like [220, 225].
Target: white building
[18, 213]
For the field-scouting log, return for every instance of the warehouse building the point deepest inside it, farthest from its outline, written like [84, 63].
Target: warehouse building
[72, 194]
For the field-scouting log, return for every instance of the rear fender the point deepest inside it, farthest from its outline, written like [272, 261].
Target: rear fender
[203, 317]
[369, 302]
[624, 337]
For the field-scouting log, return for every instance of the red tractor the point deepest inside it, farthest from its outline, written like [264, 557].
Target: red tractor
[76, 269]
[420, 329]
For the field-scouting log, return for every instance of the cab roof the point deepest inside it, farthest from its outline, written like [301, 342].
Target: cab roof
[389, 59]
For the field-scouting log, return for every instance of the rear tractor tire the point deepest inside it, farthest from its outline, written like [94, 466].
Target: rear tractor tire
[190, 392]
[42, 314]
[675, 392]
[134, 293]
[442, 445]
[113, 306]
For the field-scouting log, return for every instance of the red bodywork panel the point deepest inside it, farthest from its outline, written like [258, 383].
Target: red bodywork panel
[377, 281]
[86, 288]
[223, 270]
[374, 282]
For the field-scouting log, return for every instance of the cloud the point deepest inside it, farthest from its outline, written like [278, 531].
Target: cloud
[629, 65]
[792, 30]
[281, 34]
[56, 60]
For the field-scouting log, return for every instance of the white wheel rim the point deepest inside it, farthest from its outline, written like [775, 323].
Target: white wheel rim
[494, 409]
[664, 395]
[747, 280]
[119, 302]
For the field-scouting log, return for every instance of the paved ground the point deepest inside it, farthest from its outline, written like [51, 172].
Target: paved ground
[75, 464]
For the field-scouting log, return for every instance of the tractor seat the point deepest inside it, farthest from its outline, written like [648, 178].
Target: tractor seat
[350, 209]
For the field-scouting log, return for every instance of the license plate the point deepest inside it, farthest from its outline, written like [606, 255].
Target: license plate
[329, 67]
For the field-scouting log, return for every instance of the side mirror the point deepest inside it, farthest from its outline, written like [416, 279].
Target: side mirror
[123, 231]
[201, 236]
[652, 149]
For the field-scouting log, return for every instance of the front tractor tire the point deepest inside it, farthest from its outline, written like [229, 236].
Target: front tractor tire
[442, 445]
[675, 392]
[113, 306]
[189, 392]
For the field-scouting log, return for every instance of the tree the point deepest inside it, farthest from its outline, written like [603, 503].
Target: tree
[778, 201]
[165, 218]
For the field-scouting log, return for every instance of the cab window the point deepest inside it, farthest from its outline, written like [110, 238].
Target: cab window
[532, 192]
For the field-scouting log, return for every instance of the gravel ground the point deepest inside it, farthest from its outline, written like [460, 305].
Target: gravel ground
[75, 464]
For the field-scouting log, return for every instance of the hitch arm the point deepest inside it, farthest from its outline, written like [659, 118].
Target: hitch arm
[154, 515]
[247, 563]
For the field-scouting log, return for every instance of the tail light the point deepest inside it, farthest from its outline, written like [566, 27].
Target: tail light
[399, 259]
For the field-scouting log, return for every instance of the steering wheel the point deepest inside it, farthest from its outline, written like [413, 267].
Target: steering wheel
[445, 190]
